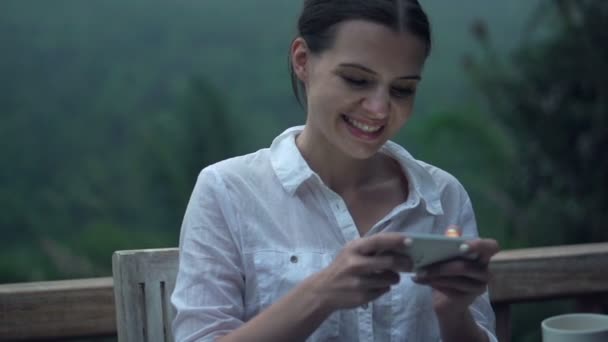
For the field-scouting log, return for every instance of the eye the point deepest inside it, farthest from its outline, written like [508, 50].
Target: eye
[355, 81]
[400, 92]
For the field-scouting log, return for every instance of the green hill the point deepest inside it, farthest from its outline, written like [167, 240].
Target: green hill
[106, 113]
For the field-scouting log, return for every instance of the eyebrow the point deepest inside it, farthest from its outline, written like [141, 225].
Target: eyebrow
[366, 69]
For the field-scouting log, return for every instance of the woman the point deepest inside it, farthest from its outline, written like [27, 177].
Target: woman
[304, 240]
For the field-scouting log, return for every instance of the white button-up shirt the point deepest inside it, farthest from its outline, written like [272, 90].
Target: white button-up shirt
[257, 225]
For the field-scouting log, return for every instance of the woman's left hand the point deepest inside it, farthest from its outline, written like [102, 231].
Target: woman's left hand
[456, 283]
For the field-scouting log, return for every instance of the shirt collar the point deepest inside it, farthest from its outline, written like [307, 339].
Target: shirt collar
[292, 170]
[421, 181]
[287, 161]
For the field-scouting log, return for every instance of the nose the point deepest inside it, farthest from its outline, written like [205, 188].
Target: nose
[377, 104]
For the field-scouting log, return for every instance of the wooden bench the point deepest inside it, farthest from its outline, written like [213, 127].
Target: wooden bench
[143, 281]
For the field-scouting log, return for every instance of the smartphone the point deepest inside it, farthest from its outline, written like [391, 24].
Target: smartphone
[427, 249]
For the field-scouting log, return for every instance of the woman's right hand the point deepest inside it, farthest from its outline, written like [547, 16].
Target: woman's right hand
[364, 270]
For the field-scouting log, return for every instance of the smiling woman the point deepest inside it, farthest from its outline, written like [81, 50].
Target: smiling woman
[307, 239]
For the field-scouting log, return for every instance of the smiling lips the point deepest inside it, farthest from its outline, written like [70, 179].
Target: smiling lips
[363, 130]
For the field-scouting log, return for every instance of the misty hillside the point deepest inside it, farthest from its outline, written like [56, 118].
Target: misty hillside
[71, 56]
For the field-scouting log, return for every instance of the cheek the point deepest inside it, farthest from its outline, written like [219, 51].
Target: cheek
[328, 101]
[403, 114]
[406, 109]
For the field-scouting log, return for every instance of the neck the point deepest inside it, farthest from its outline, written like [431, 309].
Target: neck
[339, 172]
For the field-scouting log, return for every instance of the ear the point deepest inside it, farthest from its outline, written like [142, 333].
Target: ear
[300, 56]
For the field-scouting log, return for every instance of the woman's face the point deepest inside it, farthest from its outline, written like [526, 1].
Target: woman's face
[360, 91]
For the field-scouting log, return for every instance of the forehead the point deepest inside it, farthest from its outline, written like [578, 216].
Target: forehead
[378, 47]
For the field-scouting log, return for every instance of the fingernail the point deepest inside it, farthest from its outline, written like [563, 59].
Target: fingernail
[464, 248]
[408, 242]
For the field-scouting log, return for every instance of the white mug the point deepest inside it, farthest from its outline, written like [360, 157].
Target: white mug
[577, 327]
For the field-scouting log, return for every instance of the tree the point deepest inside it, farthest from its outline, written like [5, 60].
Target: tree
[553, 101]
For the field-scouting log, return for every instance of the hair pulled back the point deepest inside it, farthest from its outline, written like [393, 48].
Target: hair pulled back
[319, 18]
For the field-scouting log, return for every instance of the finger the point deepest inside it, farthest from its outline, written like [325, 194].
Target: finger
[384, 262]
[402, 263]
[375, 293]
[457, 268]
[380, 243]
[459, 284]
[484, 248]
[449, 291]
[378, 280]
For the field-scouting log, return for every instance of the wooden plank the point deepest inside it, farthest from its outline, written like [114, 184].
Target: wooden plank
[551, 252]
[154, 313]
[129, 317]
[57, 309]
[85, 308]
[168, 310]
[549, 272]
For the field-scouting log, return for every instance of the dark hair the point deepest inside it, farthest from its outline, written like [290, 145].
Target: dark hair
[318, 21]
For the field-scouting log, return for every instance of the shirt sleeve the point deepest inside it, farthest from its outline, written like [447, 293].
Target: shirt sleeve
[208, 294]
[481, 309]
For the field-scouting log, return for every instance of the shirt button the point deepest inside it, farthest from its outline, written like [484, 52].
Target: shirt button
[293, 259]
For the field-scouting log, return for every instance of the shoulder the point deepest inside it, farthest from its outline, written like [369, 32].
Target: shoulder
[449, 188]
[426, 177]
[441, 177]
[431, 182]
[245, 170]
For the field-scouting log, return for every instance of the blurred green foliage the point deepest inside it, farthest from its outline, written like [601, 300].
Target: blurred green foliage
[109, 109]
[552, 101]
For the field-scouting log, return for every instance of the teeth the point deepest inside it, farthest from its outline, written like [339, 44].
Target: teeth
[363, 127]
